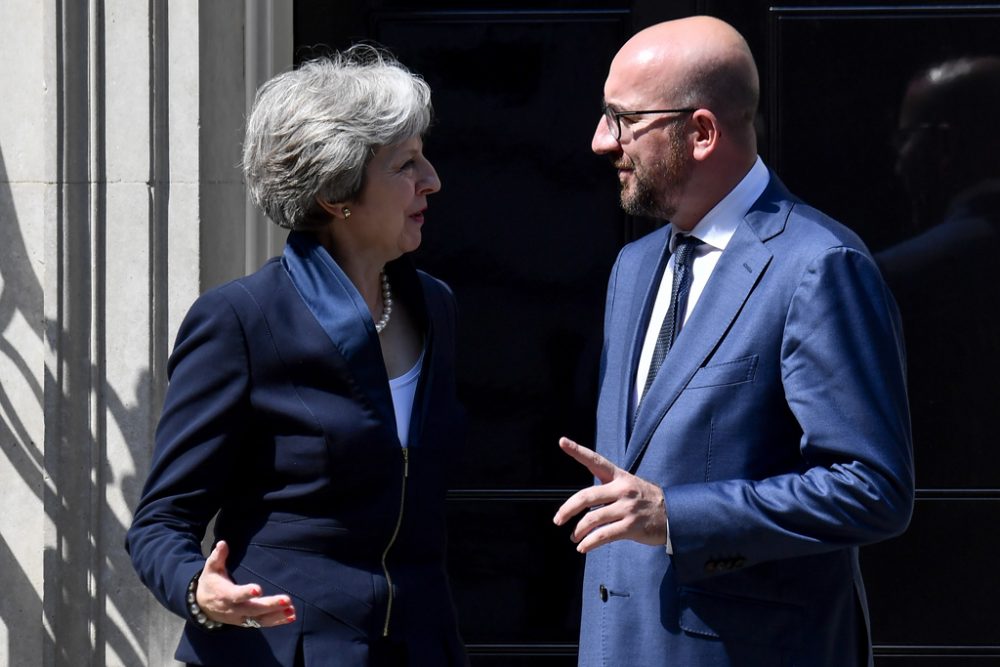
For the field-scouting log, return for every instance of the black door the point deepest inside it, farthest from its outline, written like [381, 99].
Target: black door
[836, 75]
[526, 228]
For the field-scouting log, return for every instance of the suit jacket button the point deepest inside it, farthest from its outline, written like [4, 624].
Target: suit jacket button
[710, 566]
[604, 592]
[739, 562]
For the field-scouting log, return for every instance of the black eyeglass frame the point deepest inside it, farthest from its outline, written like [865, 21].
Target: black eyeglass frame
[902, 135]
[614, 118]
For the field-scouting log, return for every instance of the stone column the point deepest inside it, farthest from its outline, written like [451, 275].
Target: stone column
[26, 199]
[120, 201]
[268, 52]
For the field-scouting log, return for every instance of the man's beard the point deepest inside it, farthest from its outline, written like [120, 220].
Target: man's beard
[656, 191]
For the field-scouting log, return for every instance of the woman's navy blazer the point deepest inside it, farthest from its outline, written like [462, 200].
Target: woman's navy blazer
[284, 427]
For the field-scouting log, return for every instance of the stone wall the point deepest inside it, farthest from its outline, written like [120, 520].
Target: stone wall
[120, 201]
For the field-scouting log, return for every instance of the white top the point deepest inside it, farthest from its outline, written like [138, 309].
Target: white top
[715, 230]
[404, 390]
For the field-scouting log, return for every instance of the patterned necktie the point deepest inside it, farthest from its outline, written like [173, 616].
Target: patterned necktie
[683, 254]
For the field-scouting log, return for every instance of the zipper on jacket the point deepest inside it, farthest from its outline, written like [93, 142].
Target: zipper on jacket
[392, 540]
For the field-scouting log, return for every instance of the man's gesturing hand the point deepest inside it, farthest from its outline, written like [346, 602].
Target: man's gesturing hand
[622, 506]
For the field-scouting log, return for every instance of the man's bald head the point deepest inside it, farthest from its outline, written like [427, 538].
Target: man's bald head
[960, 85]
[948, 137]
[698, 61]
[681, 98]
[963, 94]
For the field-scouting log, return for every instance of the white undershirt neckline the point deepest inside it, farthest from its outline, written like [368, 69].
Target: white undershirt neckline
[404, 391]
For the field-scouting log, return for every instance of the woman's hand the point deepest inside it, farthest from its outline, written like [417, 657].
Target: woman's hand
[223, 601]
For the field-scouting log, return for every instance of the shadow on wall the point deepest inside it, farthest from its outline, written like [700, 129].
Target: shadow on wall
[21, 604]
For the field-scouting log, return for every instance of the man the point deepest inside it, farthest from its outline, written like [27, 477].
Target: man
[948, 143]
[945, 276]
[735, 487]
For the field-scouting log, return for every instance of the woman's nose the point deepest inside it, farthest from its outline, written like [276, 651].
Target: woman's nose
[430, 183]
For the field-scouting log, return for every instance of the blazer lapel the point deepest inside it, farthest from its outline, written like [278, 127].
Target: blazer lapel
[415, 293]
[343, 314]
[732, 281]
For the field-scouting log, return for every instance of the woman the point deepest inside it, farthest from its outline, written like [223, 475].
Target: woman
[312, 404]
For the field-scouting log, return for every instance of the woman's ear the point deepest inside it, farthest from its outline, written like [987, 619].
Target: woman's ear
[707, 132]
[337, 210]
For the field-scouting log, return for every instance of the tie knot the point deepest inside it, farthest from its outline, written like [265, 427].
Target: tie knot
[684, 246]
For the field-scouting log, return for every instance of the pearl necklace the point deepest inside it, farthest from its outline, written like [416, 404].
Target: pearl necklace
[383, 321]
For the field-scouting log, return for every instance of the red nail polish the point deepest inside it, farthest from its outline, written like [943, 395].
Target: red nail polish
[284, 603]
[289, 612]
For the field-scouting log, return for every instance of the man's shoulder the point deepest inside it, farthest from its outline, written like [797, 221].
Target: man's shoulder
[783, 220]
[808, 226]
[779, 217]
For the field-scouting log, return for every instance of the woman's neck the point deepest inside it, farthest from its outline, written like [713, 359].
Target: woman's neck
[362, 268]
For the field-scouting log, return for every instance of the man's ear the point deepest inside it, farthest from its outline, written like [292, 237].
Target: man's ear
[707, 133]
[338, 210]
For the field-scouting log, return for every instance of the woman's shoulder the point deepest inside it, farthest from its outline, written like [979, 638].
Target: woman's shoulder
[260, 281]
[236, 298]
[435, 285]
[439, 299]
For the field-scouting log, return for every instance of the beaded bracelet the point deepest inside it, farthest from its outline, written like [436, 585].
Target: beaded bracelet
[197, 615]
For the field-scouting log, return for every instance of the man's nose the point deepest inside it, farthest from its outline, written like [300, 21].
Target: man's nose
[603, 142]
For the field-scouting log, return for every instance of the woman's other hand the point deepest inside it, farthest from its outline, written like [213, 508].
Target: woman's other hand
[226, 602]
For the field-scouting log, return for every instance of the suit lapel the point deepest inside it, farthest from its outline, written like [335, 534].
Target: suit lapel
[733, 280]
[655, 254]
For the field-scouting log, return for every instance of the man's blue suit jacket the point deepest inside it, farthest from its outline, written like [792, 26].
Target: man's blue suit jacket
[779, 430]
[287, 430]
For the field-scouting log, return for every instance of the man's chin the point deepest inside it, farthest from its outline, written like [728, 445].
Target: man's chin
[629, 200]
[631, 208]
[628, 190]
[634, 206]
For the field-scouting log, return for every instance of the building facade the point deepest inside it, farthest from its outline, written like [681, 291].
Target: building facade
[121, 200]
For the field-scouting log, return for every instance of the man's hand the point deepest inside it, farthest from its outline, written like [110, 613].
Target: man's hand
[224, 601]
[622, 506]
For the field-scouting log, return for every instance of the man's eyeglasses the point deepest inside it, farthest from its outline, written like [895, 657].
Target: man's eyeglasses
[902, 135]
[614, 118]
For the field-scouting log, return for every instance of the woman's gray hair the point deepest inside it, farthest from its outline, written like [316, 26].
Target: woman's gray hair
[313, 130]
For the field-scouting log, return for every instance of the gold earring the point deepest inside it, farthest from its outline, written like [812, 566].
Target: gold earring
[346, 211]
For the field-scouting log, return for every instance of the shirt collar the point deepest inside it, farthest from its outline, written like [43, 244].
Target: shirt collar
[719, 224]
